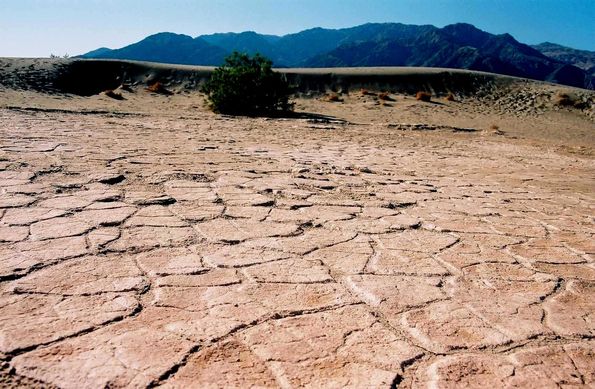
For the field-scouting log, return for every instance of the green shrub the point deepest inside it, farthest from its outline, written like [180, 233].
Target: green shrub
[247, 85]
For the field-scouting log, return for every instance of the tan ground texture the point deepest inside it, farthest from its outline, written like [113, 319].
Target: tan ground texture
[150, 242]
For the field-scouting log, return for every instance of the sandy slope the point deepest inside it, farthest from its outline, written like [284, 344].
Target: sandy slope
[148, 241]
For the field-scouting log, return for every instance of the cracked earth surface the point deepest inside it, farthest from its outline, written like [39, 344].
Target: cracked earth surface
[215, 252]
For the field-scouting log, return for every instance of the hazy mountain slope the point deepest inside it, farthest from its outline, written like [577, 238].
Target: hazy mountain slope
[98, 52]
[245, 42]
[298, 48]
[583, 59]
[167, 47]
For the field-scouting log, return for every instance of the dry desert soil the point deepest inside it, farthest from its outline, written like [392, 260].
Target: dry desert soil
[365, 243]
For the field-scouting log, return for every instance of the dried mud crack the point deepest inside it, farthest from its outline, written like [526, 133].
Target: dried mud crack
[184, 249]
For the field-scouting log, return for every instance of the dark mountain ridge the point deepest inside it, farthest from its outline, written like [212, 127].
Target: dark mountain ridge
[167, 47]
[582, 59]
[461, 46]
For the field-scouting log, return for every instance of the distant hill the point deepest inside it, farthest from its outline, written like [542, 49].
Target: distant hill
[245, 42]
[580, 58]
[98, 52]
[460, 46]
[168, 48]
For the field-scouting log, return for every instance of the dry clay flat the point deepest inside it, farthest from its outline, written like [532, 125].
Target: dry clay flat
[364, 243]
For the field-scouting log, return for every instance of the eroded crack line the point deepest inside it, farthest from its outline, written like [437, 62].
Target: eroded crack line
[18, 351]
[280, 315]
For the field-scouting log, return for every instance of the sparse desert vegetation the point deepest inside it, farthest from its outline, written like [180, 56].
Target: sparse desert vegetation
[114, 95]
[423, 96]
[159, 88]
[248, 86]
[126, 87]
[366, 92]
[334, 97]
[564, 99]
[385, 96]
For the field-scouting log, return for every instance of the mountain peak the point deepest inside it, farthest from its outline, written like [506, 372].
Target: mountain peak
[466, 34]
[161, 36]
[461, 26]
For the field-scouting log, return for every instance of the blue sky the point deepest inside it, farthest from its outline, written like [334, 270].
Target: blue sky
[41, 27]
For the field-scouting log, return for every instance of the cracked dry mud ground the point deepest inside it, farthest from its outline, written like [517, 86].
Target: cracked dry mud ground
[207, 251]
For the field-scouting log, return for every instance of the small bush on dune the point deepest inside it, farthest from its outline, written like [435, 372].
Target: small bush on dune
[563, 100]
[247, 86]
[566, 100]
[423, 96]
[114, 95]
[126, 87]
[334, 98]
[496, 130]
[158, 87]
[366, 92]
[385, 96]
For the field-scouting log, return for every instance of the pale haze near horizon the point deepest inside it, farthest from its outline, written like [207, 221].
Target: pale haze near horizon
[38, 28]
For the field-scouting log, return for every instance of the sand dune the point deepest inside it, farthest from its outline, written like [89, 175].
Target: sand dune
[88, 77]
[494, 98]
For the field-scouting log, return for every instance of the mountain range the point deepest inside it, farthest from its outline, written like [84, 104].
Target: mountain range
[461, 46]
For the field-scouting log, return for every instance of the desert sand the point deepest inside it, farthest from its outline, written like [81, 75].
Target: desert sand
[363, 243]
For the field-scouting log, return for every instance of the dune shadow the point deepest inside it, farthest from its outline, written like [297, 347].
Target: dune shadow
[315, 117]
[436, 102]
[310, 116]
